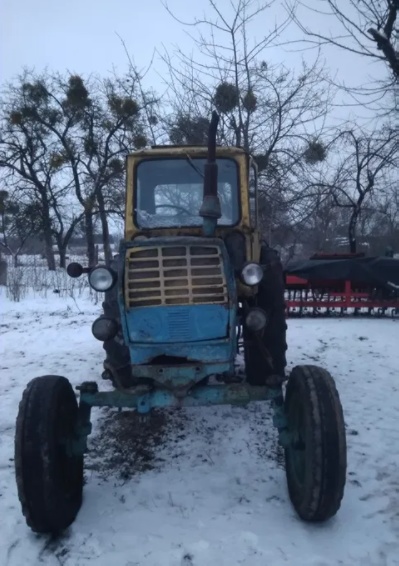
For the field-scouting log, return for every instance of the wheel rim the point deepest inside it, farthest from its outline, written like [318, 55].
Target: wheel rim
[297, 449]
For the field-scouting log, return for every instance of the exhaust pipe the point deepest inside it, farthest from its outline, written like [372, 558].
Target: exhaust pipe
[210, 209]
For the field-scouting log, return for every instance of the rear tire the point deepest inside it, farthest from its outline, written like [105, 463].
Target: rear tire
[271, 299]
[117, 362]
[316, 457]
[49, 476]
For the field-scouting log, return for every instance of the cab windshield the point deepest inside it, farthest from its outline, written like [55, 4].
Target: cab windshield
[169, 192]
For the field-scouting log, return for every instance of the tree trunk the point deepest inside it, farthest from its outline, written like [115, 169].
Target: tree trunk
[49, 253]
[352, 231]
[3, 271]
[63, 241]
[105, 228]
[89, 229]
[62, 252]
[15, 260]
[47, 233]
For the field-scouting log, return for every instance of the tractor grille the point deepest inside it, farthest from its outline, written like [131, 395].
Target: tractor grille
[174, 275]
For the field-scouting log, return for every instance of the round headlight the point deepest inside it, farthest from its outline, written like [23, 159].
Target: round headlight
[252, 274]
[102, 279]
[74, 269]
[104, 328]
[256, 319]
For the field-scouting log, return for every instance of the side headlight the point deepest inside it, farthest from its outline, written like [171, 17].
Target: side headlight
[252, 274]
[102, 278]
[104, 328]
[256, 319]
[74, 269]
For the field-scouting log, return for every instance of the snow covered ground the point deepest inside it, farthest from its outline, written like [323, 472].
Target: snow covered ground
[208, 489]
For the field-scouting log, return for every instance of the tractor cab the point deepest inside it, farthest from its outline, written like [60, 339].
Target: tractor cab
[187, 258]
[167, 189]
[167, 195]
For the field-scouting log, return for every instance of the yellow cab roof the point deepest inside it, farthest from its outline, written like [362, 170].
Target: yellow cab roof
[199, 150]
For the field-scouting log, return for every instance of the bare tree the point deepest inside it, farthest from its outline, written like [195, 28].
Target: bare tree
[25, 147]
[96, 123]
[256, 99]
[369, 28]
[118, 120]
[271, 111]
[360, 166]
[18, 223]
[66, 138]
[382, 219]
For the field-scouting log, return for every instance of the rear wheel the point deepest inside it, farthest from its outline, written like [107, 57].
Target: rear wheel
[117, 362]
[49, 474]
[265, 354]
[315, 458]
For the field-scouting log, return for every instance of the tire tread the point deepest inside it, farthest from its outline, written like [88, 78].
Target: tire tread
[326, 481]
[43, 508]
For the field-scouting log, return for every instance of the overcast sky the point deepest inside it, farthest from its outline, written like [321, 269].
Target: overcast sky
[80, 36]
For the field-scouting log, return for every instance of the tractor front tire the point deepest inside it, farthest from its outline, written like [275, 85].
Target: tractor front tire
[117, 361]
[315, 458]
[273, 338]
[49, 475]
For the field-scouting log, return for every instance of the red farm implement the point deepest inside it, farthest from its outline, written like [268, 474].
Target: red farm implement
[333, 284]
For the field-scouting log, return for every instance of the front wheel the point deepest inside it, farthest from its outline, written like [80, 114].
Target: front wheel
[48, 472]
[315, 457]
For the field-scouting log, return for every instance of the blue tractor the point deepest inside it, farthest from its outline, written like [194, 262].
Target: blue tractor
[192, 279]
